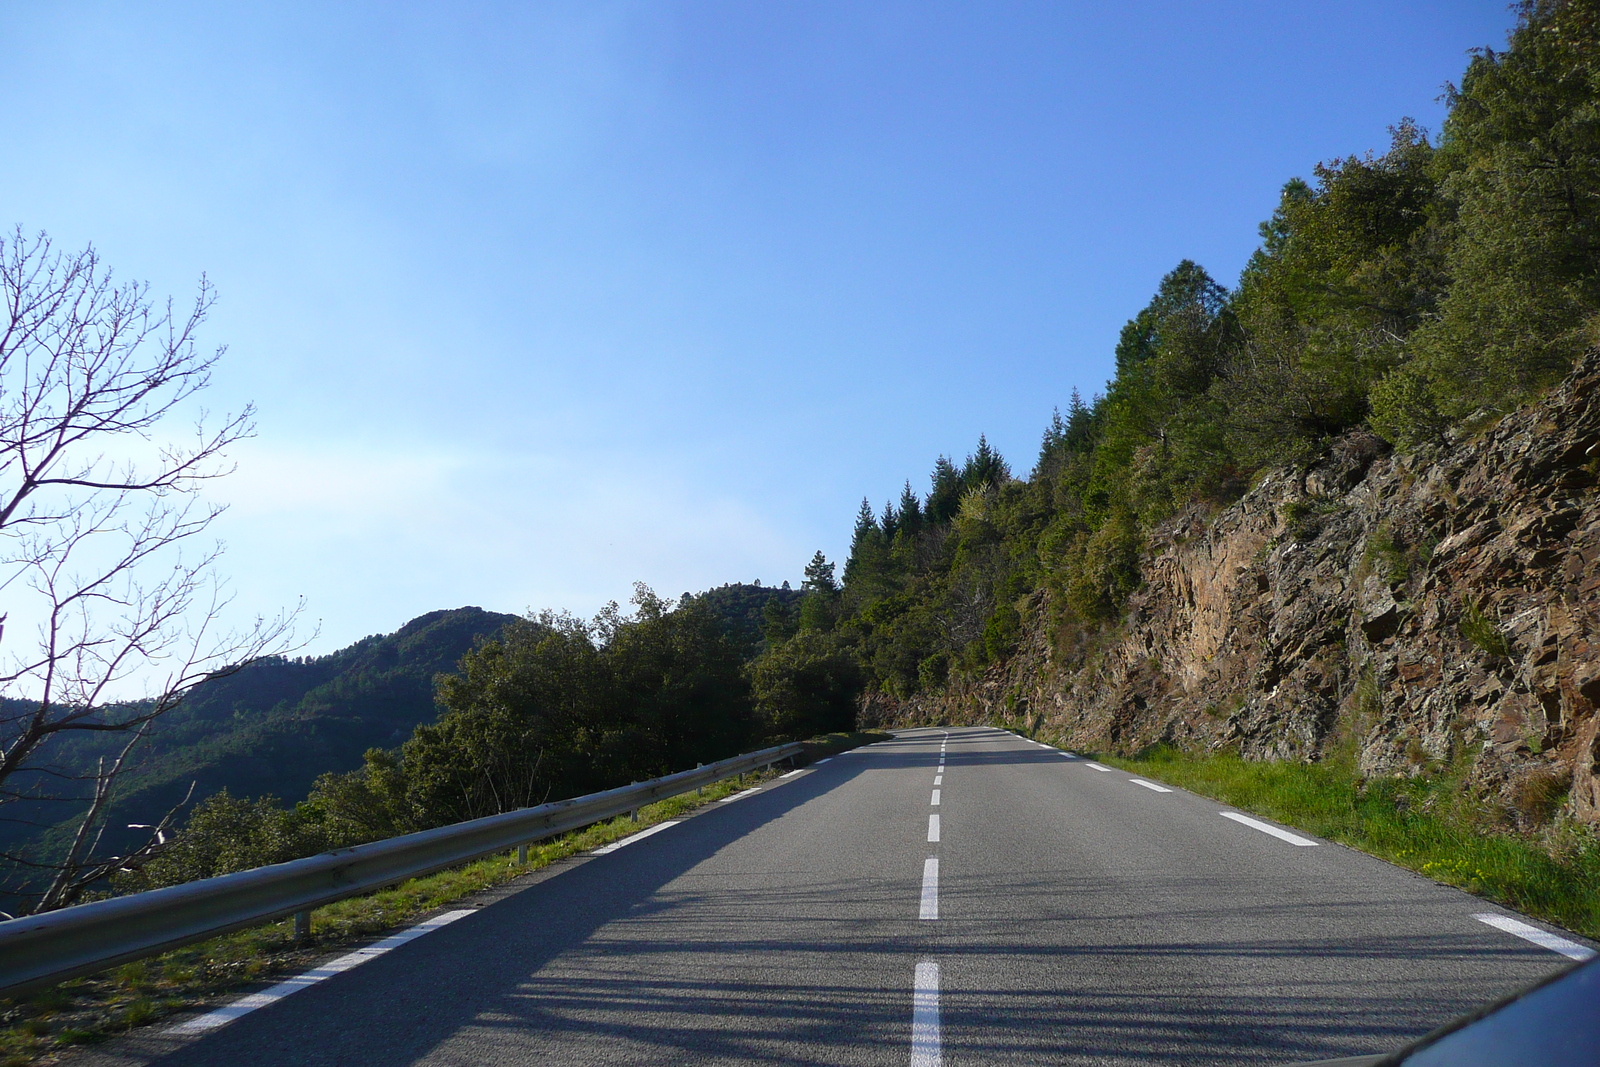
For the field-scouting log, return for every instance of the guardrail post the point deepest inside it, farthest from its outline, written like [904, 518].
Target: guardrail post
[522, 855]
[701, 791]
[302, 925]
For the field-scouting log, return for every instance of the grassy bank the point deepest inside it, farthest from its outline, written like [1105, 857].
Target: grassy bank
[1427, 824]
[36, 1030]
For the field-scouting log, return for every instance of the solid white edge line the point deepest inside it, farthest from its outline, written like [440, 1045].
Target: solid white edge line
[740, 796]
[1543, 938]
[606, 850]
[930, 889]
[1268, 828]
[933, 827]
[934, 803]
[792, 773]
[1150, 785]
[245, 1005]
[926, 1048]
[1097, 767]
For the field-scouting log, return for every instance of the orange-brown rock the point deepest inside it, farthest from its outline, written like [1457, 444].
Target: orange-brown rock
[1426, 608]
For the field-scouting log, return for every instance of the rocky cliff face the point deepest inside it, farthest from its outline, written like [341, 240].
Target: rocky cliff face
[1424, 608]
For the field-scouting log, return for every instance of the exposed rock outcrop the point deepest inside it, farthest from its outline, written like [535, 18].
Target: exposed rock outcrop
[1425, 608]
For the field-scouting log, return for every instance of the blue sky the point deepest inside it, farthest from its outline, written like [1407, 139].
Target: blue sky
[536, 300]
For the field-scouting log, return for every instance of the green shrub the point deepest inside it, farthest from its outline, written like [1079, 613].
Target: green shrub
[1482, 631]
[1404, 411]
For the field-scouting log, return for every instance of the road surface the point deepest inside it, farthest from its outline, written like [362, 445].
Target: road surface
[954, 897]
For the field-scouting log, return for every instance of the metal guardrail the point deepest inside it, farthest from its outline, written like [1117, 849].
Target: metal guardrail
[37, 951]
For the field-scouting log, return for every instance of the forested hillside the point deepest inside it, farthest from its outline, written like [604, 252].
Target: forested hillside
[270, 728]
[1419, 294]
[550, 707]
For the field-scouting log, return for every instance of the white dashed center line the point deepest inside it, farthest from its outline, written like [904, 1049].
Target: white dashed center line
[1268, 828]
[606, 850]
[938, 779]
[925, 1043]
[935, 801]
[933, 827]
[930, 889]
[1150, 785]
[1543, 938]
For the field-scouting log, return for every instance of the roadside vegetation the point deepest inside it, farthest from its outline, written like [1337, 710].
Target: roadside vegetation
[1428, 824]
[551, 707]
[35, 1030]
[1411, 292]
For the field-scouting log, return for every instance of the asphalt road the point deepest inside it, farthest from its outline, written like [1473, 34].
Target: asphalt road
[1064, 914]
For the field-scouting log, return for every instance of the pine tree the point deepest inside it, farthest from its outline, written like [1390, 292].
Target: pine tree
[890, 523]
[984, 468]
[910, 512]
[1083, 424]
[819, 575]
[945, 499]
[819, 607]
[1053, 445]
[1185, 292]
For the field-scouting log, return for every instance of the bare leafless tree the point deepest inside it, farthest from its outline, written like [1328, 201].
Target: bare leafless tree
[101, 549]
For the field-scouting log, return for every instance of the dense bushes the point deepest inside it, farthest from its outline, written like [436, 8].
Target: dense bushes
[553, 707]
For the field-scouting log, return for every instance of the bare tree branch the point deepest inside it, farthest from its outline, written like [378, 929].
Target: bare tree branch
[100, 531]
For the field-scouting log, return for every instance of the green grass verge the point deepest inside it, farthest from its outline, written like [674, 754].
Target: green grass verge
[35, 1030]
[1428, 824]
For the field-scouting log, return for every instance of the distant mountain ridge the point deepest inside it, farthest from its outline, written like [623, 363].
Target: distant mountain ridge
[277, 724]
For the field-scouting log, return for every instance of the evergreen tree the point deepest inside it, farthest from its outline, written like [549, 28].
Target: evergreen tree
[889, 524]
[910, 512]
[819, 606]
[1052, 447]
[778, 621]
[984, 468]
[1082, 424]
[1186, 291]
[819, 576]
[1520, 157]
[867, 534]
[869, 571]
[945, 498]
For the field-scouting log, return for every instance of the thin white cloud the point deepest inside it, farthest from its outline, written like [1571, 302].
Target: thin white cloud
[373, 537]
